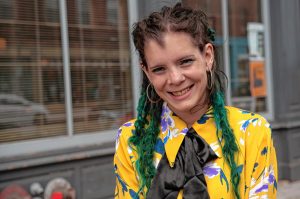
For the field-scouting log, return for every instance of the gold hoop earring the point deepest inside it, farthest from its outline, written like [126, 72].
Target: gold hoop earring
[148, 96]
[209, 80]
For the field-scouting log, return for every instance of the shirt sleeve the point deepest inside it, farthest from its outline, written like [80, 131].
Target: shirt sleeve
[264, 174]
[126, 179]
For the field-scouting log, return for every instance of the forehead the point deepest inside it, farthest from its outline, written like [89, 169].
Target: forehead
[165, 37]
[170, 45]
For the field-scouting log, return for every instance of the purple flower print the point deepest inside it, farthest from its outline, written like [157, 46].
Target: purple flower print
[170, 121]
[271, 178]
[163, 124]
[211, 170]
[118, 137]
[164, 118]
[118, 134]
[164, 109]
[262, 188]
[184, 131]
[127, 124]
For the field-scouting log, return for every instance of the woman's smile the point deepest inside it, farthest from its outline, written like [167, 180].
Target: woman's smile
[181, 92]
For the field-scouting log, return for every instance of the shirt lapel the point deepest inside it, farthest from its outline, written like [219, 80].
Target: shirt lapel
[173, 131]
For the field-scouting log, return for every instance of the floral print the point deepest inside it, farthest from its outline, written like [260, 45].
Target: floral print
[127, 124]
[211, 170]
[257, 164]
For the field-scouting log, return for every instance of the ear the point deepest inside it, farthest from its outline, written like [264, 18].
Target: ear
[145, 70]
[209, 56]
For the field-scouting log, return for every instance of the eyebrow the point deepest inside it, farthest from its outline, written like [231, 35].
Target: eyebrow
[186, 57]
[156, 66]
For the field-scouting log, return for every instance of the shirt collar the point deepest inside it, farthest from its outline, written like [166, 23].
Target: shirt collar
[174, 129]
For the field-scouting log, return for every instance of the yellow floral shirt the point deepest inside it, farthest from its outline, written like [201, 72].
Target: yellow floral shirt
[257, 162]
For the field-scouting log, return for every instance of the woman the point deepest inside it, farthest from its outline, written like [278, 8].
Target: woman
[185, 143]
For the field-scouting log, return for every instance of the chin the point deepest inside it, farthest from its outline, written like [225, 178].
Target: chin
[184, 107]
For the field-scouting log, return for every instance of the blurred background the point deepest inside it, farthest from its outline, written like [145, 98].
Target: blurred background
[69, 77]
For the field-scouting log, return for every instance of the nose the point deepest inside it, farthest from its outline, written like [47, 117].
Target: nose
[176, 77]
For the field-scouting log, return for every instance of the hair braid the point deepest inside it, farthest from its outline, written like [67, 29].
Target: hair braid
[224, 132]
[145, 137]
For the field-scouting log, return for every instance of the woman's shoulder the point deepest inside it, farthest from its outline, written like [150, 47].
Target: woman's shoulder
[245, 120]
[241, 115]
[127, 129]
[252, 130]
[124, 133]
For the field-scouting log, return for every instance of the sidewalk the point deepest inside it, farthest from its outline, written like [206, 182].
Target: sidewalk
[288, 190]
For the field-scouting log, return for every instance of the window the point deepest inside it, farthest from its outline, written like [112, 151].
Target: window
[247, 56]
[112, 11]
[32, 69]
[100, 69]
[51, 11]
[6, 9]
[83, 11]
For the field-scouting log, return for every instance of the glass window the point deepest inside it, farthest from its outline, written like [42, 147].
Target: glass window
[100, 69]
[6, 9]
[30, 45]
[112, 11]
[51, 11]
[32, 92]
[247, 57]
[83, 11]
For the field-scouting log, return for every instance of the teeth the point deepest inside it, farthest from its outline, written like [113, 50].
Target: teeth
[182, 92]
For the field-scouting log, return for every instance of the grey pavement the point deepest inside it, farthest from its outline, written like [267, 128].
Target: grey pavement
[288, 190]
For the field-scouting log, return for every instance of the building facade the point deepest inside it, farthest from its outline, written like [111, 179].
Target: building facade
[69, 77]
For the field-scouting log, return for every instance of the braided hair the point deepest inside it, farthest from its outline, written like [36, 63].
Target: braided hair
[147, 124]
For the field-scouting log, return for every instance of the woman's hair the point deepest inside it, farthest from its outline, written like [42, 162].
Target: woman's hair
[147, 124]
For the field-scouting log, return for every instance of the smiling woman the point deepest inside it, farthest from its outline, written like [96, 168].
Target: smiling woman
[185, 143]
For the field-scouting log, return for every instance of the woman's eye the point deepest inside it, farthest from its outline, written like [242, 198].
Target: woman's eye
[158, 70]
[186, 62]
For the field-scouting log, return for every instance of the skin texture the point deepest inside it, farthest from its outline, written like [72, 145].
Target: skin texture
[178, 72]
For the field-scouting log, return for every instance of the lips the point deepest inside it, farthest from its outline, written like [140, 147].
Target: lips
[182, 92]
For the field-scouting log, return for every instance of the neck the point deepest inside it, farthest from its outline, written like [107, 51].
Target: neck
[194, 114]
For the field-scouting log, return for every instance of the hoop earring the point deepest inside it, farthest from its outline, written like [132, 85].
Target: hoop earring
[209, 80]
[148, 96]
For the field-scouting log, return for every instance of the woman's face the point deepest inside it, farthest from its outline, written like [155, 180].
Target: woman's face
[177, 70]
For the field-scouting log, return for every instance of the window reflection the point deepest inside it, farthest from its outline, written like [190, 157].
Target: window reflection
[16, 111]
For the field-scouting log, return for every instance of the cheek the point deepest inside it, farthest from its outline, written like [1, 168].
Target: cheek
[158, 83]
[199, 76]
[158, 86]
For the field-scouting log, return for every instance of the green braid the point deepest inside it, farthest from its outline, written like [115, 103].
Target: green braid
[145, 137]
[224, 132]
